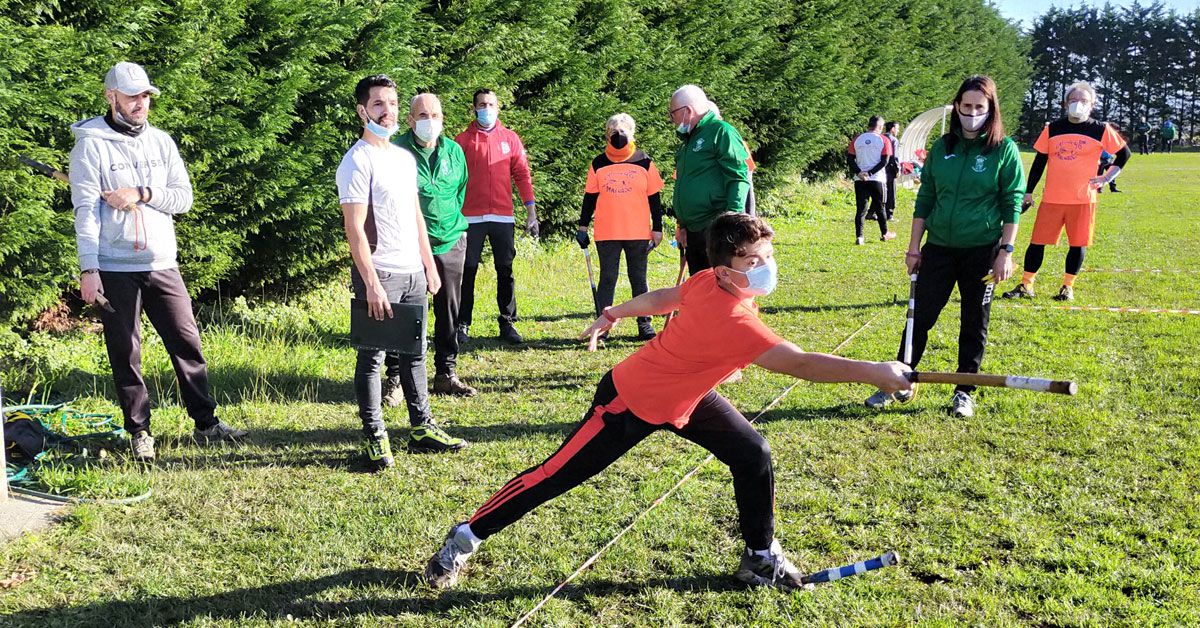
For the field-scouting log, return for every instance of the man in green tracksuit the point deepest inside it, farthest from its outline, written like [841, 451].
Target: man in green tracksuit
[711, 173]
[441, 185]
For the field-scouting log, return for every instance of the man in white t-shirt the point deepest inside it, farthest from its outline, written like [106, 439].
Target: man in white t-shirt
[867, 156]
[393, 263]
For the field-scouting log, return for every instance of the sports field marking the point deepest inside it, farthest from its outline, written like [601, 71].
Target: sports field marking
[1097, 308]
[1143, 270]
[654, 504]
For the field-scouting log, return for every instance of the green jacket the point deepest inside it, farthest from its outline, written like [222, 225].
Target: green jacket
[711, 175]
[442, 186]
[967, 197]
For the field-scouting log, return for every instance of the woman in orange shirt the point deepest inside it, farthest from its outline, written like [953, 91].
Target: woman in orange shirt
[623, 194]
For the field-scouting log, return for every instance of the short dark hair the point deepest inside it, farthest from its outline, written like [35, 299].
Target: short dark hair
[731, 233]
[888, 126]
[873, 121]
[482, 91]
[362, 91]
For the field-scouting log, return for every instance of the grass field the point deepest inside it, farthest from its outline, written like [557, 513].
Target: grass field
[1041, 509]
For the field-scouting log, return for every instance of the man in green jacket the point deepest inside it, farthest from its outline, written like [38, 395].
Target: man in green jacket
[711, 173]
[441, 185]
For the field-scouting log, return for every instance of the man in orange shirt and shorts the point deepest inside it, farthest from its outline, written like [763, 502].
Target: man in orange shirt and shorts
[1068, 150]
[668, 385]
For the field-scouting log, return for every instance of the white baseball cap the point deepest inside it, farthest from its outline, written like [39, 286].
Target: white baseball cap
[129, 79]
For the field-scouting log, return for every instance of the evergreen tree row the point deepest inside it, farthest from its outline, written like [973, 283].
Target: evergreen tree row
[1143, 60]
[258, 95]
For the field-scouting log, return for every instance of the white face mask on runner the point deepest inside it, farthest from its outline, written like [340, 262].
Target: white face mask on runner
[972, 124]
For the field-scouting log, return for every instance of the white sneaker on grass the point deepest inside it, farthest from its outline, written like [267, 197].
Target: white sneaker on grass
[770, 568]
[881, 400]
[142, 444]
[441, 572]
[961, 405]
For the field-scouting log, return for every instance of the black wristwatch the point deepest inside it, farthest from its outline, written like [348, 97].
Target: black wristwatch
[1007, 247]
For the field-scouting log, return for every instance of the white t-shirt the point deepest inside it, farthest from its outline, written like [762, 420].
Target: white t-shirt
[868, 148]
[390, 176]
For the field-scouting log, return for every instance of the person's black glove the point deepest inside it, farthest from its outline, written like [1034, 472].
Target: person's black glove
[581, 236]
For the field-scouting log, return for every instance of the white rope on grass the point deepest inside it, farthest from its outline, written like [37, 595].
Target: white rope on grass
[1098, 308]
[654, 504]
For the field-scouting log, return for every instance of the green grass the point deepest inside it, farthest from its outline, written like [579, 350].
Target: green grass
[1040, 510]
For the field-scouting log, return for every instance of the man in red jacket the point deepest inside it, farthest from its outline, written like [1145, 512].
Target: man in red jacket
[495, 159]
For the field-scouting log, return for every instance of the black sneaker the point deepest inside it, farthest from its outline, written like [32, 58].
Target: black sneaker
[1022, 291]
[1065, 293]
[509, 334]
[645, 330]
[462, 335]
[378, 449]
[431, 439]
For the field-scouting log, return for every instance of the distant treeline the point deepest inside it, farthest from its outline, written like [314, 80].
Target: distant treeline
[1144, 62]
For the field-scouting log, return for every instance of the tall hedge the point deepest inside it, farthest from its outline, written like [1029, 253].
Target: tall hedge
[258, 95]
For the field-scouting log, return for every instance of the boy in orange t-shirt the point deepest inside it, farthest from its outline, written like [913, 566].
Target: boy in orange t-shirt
[1068, 150]
[668, 384]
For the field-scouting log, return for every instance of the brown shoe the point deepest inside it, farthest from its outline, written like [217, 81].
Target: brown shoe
[450, 384]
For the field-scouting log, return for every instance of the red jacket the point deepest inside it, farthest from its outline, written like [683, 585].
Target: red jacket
[495, 159]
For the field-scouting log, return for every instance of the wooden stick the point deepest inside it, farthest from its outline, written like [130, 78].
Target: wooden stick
[998, 381]
[679, 278]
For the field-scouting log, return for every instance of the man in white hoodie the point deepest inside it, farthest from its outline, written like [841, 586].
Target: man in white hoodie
[127, 184]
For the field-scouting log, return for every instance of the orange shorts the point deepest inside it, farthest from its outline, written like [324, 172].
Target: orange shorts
[1079, 219]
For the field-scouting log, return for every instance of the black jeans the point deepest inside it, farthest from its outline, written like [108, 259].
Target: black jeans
[609, 430]
[609, 252]
[868, 192]
[696, 251]
[400, 288]
[165, 299]
[445, 312]
[504, 250]
[941, 269]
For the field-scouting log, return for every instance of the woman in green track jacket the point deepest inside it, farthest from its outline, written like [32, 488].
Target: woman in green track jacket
[967, 211]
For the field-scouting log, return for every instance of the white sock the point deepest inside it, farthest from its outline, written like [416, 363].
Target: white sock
[464, 535]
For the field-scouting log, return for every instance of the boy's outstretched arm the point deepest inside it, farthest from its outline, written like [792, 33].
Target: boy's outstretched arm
[655, 302]
[788, 359]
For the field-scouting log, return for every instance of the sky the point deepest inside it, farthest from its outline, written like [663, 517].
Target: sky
[1026, 11]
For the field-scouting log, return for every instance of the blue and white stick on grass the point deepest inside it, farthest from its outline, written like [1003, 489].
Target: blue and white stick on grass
[837, 573]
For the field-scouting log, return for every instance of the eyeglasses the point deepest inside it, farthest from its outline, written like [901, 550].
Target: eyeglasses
[671, 113]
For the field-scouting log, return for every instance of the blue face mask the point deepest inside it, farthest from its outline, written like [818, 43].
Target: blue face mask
[763, 279]
[683, 128]
[486, 117]
[381, 131]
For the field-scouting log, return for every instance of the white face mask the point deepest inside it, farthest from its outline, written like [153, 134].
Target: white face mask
[1078, 111]
[972, 124]
[428, 129]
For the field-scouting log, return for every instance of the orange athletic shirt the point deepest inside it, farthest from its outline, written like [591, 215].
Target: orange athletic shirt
[1072, 158]
[623, 192]
[714, 334]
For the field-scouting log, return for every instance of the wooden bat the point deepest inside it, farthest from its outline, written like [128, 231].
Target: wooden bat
[587, 257]
[679, 277]
[42, 168]
[998, 381]
[908, 320]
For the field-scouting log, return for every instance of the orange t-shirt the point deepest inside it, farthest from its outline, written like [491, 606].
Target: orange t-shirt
[714, 334]
[1073, 156]
[623, 192]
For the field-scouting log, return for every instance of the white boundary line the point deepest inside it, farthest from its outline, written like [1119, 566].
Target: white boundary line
[654, 504]
[1097, 308]
[1142, 270]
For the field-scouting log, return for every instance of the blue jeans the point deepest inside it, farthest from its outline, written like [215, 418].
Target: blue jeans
[400, 288]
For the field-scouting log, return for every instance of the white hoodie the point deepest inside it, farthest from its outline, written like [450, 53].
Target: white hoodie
[104, 160]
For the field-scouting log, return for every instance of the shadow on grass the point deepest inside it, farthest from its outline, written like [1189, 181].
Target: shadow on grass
[847, 411]
[281, 600]
[775, 309]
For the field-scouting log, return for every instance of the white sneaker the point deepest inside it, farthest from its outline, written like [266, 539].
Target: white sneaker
[859, 240]
[222, 431]
[773, 569]
[142, 444]
[961, 405]
[444, 566]
[879, 400]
